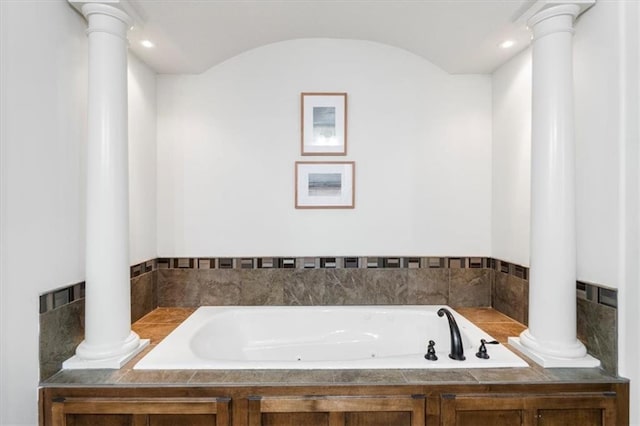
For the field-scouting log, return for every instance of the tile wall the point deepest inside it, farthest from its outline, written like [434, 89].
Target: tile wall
[325, 281]
[455, 281]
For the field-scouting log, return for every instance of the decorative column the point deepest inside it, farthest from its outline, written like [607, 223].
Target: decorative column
[109, 341]
[551, 338]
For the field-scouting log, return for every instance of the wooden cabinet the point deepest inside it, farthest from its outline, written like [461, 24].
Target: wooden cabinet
[521, 404]
[93, 411]
[561, 409]
[337, 411]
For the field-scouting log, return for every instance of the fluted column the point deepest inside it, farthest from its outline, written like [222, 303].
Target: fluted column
[551, 337]
[109, 341]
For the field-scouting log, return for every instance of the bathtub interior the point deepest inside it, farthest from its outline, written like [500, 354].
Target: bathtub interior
[320, 336]
[314, 337]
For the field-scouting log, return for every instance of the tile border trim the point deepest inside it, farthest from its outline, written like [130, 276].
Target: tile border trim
[598, 294]
[323, 262]
[61, 296]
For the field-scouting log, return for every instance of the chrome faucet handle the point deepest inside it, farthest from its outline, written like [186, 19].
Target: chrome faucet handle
[482, 350]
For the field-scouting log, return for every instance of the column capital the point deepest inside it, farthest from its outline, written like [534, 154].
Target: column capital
[558, 10]
[542, 6]
[553, 19]
[122, 10]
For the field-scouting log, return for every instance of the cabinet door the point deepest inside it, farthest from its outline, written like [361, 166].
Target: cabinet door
[583, 410]
[337, 411]
[140, 412]
[482, 410]
[588, 409]
[564, 417]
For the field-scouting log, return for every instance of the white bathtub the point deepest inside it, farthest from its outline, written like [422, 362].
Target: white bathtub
[320, 337]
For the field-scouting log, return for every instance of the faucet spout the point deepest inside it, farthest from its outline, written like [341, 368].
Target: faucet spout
[457, 350]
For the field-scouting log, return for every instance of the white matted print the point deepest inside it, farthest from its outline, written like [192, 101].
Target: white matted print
[324, 123]
[325, 185]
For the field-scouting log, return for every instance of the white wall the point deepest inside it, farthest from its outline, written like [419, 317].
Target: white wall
[44, 79]
[511, 160]
[142, 161]
[44, 97]
[228, 140]
[598, 102]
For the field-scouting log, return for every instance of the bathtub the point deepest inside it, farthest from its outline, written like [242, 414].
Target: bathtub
[320, 337]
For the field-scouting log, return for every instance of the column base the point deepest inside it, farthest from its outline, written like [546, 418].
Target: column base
[551, 361]
[77, 363]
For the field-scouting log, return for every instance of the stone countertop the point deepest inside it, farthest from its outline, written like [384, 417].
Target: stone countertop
[159, 323]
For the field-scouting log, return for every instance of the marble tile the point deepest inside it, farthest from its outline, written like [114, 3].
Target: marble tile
[86, 377]
[173, 315]
[178, 287]
[311, 377]
[391, 285]
[510, 296]
[481, 315]
[502, 331]
[154, 332]
[428, 286]
[387, 377]
[198, 287]
[218, 287]
[240, 377]
[210, 377]
[262, 286]
[143, 295]
[156, 376]
[525, 320]
[304, 287]
[597, 328]
[577, 374]
[61, 331]
[349, 287]
[245, 376]
[470, 287]
[501, 375]
[437, 376]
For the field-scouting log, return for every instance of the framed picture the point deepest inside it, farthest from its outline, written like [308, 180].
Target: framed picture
[324, 123]
[325, 185]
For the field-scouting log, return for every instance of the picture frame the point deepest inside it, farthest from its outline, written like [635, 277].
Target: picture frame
[325, 185]
[323, 123]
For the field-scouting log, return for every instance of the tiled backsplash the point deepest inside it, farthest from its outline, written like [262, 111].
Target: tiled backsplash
[460, 281]
[456, 281]
[598, 323]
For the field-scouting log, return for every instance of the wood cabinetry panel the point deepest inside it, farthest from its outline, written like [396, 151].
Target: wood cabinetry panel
[295, 419]
[99, 420]
[378, 419]
[562, 409]
[565, 417]
[92, 411]
[338, 410]
[562, 404]
[181, 420]
[489, 417]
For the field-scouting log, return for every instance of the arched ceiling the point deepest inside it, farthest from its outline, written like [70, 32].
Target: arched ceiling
[459, 36]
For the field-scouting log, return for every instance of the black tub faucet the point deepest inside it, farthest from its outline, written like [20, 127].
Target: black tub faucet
[457, 351]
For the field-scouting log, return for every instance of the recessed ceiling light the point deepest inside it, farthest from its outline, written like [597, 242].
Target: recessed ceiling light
[507, 44]
[147, 43]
